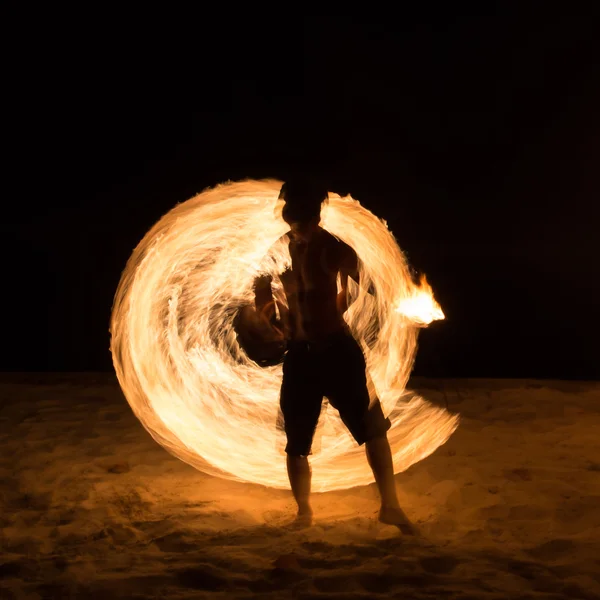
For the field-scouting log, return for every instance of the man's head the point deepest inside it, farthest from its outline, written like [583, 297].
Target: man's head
[303, 199]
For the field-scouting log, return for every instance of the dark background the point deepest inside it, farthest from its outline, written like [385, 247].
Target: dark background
[476, 136]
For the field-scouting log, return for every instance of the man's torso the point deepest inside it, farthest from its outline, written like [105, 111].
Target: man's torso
[311, 286]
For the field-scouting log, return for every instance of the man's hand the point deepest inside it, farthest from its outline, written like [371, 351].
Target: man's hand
[265, 307]
[263, 294]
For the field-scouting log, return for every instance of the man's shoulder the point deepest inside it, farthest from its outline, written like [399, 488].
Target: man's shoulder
[332, 239]
[340, 252]
[283, 240]
[340, 245]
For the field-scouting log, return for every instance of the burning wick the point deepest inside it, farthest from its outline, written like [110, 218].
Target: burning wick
[420, 306]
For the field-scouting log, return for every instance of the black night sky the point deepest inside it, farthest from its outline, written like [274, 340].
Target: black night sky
[476, 136]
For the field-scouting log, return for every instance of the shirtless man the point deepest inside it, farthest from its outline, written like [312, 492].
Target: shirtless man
[323, 359]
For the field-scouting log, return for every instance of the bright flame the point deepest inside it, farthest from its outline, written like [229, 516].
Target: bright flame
[194, 388]
[420, 306]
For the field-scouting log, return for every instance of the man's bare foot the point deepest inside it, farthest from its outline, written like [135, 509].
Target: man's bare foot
[302, 521]
[303, 518]
[394, 515]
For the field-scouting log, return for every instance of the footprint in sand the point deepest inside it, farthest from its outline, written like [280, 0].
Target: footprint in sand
[439, 564]
[526, 512]
[552, 550]
[175, 542]
[118, 468]
[519, 474]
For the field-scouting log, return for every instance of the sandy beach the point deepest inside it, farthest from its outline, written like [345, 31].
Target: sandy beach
[92, 507]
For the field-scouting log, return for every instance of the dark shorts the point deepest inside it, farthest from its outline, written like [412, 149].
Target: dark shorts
[334, 368]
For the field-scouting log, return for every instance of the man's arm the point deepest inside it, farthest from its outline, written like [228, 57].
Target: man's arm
[263, 296]
[266, 304]
[349, 264]
[349, 268]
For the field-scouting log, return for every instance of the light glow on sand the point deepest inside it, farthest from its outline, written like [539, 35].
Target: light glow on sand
[187, 378]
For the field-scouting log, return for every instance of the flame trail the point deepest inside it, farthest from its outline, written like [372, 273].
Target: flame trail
[194, 388]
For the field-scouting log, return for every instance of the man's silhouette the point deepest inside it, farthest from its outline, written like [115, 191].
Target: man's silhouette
[323, 359]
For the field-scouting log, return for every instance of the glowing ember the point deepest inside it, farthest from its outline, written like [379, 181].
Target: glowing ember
[420, 306]
[190, 382]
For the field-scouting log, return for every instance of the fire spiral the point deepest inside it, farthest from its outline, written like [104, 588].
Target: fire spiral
[187, 376]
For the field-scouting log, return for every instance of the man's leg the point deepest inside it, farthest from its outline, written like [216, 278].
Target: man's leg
[300, 403]
[299, 474]
[379, 455]
[348, 392]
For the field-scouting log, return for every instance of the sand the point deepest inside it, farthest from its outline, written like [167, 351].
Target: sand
[92, 507]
